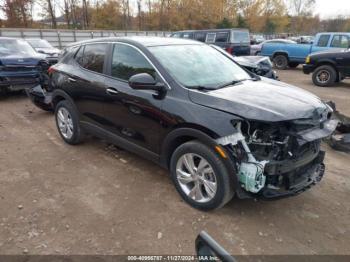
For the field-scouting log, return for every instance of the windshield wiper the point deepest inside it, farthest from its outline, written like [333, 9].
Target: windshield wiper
[234, 82]
[199, 87]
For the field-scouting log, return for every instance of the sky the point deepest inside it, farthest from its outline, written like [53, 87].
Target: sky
[332, 8]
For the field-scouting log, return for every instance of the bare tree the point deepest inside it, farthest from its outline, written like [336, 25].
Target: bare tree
[301, 7]
[139, 14]
[51, 10]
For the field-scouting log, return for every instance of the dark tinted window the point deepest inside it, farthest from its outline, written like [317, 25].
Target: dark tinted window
[187, 35]
[221, 37]
[67, 54]
[200, 36]
[94, 57]
[323, 41]
[178, 35]
[127, 61]
[341, 41]
[79, 56]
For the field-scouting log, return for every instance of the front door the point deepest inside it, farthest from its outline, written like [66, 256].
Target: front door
[134, 115]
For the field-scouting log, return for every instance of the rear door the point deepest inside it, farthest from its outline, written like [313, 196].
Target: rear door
[134, 115]
[85, 82]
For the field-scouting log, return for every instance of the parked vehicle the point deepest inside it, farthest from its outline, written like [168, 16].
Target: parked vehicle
[20, 66]
[256, 39]
[328, 67]
[256, 49]
[219, 129]
[259, 65]
[235, 41]
[285, 54]
[42, 46]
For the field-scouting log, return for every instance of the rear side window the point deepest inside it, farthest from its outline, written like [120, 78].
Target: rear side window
[187, 35]
[200, 36]
[341, 41]
[323, 40]
[178, 35]
[210, 37]
[127, 61]
[94, 57]
[221, 37]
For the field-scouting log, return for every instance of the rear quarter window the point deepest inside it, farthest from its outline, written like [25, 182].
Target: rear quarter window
[240, 37]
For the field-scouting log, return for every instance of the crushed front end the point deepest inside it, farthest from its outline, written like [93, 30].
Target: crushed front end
[279, 159]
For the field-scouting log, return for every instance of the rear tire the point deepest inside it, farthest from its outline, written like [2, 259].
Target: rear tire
[200, 176]
[280, 62]
[67, 122]
[324, 76]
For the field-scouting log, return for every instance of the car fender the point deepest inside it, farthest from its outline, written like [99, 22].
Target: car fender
[167, 148]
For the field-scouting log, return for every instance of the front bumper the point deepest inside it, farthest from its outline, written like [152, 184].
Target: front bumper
[15, 81]
[296, 181]
[308, 68]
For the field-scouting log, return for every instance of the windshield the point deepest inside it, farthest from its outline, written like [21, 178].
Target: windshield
[15, 46]
[240, 37]
[39, 43]
[198, 65]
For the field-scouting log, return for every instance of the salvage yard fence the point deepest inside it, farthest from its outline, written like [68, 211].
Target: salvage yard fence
[61, 38]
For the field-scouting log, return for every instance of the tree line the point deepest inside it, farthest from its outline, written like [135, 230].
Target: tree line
[265, 16]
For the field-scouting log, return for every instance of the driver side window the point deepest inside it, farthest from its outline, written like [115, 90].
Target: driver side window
[128, 61]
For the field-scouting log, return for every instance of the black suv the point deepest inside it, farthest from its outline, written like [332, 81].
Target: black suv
[221, 130]
[328, 67]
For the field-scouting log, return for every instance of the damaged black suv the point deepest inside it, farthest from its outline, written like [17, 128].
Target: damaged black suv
[219, 129]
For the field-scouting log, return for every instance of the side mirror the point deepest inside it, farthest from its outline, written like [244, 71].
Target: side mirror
[145, 81]
[208, 249]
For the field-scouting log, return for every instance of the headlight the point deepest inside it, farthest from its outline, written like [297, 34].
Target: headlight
[307, 60]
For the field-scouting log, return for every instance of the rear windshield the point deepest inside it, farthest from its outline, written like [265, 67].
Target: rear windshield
[240, 37]
[39, 43]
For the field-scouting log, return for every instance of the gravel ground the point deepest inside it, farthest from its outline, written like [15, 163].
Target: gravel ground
[98, 199]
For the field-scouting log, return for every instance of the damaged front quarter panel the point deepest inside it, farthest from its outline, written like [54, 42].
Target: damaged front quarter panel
[278, 159]
[251, 172]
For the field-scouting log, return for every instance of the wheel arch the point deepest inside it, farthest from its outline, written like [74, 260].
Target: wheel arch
[280, 53]
[59, 95]
[190, 132]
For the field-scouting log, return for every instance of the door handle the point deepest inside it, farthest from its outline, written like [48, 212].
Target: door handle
[72, 80]
[112, 91]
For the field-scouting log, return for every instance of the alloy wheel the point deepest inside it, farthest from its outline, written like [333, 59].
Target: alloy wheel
[65, 123]
[323, 76]
[196, 177]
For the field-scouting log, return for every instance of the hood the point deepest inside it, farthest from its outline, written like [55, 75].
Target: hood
[330, 51]
[266, 100]
[21, 59]
[251, 61]
[48, 51]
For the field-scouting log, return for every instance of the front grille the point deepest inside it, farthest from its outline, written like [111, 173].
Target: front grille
[20, 68]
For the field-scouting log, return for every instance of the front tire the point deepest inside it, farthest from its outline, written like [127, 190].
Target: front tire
[67, 122]
[324, 76]
[200, 176]
[280, 62]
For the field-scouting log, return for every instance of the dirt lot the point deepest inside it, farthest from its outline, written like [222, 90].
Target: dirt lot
[95, 198]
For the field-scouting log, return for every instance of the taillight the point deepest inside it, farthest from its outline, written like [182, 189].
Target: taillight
[50, 70]
[229, 50]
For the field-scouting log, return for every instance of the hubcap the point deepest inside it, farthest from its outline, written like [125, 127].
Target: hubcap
[196, 177]
[323, 76]
[65, 123]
